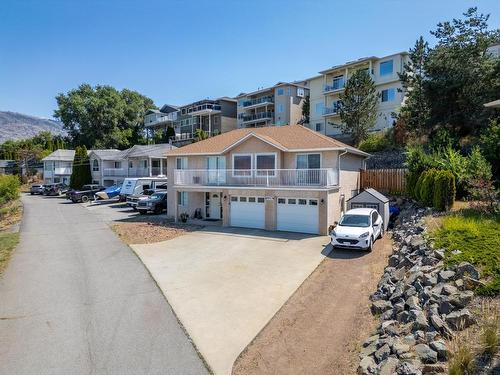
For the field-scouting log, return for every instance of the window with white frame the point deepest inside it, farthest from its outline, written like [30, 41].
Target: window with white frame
[182, 198]
[130, 164]
[118, 164]
[181, 163]
[386, 67]
[318, 126]
[95, 166]
[338, 82]
[242, 165]
[145, 163]
[300, 92]
[281, 91]
[265, 164]
[320, 107]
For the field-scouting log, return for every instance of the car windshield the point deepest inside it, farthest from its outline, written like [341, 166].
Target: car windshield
[156, 197]
[355, 221]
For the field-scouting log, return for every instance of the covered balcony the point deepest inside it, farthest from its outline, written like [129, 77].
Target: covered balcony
[271, 178]
[263, 100]
[248, 118]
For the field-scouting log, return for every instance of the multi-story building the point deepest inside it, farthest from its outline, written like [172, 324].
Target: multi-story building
[111, 167]
[280, 104]
[325, 90]
[58, 166]
[212, 116]
[287, 178]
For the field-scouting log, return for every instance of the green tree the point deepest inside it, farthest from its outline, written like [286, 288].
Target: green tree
[103, 117]
[415, 111]
[200, 134]
[306, 106]
[358, 110]
[81, 174]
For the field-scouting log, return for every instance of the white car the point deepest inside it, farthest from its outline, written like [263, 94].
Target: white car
[358, 229]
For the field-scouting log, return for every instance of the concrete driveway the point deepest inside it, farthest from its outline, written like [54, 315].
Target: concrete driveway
[225, 285]
[75, 300]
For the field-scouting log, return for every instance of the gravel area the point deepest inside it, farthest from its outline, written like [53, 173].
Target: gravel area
[147, 232]
[318, 330]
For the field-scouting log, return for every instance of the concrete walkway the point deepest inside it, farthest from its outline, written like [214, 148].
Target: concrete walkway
[75, 300]
[225, 287]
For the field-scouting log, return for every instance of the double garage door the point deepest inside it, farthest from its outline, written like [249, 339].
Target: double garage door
[293, 214]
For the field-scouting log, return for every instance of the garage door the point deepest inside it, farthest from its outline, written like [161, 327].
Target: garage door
[248, 212]
[298, 215]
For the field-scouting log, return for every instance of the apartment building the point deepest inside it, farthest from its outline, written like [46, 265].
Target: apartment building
[287, 178]
[212, 116]
[110, 167]
[58, 166]
[325, 90]
[280, 104]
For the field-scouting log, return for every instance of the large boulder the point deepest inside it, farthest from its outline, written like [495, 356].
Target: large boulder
[439, 347]
[425, 353]
[388, 366]
[460, 319]
[378, 307]
[382, 353]
[367, 366]
[465, 268]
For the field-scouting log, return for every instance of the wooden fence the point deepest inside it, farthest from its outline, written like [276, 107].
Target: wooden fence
[392, 181]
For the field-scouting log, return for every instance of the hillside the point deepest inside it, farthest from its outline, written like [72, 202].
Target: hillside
[18, 126]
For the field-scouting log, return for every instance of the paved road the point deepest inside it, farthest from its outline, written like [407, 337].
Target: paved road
[75, 300]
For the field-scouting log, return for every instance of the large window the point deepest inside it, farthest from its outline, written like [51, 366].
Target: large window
[281, 91]
[319, 108]
[182, 198]
[181, 163]
[95, 165]
[338, 82]
[242, 165]
[118, 164]
[308, 161]
[386, 67]
[308, 166]
[265, 164]
[280, 108]
[388, 95]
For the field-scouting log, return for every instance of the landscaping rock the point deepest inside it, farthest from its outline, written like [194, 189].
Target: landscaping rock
[440, 347]
[462, 299]
[367, 366]
[432, 369]
[471, 284]
[388, 366]
[425, 353]
[412, 303]
[465, 268]
[461, 319]
[449, 289]
[420, 322]
[445, 276]
[382, 353]
[406, 368]
[378, 307]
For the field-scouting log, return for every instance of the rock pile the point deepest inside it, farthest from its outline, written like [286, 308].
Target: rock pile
[420, 303]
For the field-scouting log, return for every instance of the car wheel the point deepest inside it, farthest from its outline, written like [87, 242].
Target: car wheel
[381, 233]
[85, 199]
[142, 212]
[32, 193]
[134, 208]
[157, 210]
[370, 245]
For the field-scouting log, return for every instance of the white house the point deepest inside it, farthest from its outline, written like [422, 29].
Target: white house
[58, 166]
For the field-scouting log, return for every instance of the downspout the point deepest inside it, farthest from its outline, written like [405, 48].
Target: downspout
[338, 164]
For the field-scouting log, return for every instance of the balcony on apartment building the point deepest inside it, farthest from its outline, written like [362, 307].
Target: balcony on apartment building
[166, 119]
[331, 111]
[132, 172]
[248, 118]
[187, 136]
[338, 84]
[270, 178]
[263, 100]
[204, 109]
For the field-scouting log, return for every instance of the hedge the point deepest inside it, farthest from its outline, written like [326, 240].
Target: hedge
[434, 188]
[444, 190]
[9, 188]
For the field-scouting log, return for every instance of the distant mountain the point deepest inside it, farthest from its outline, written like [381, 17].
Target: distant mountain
[18, 126]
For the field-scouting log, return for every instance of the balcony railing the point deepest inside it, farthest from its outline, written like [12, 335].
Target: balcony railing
[132, 172]
[330, 110]
[257, 116]
[262, 100]
[114, 172]
[204, 107]
[186, 136]
[335, 87]
[317, 178]
[163, 119]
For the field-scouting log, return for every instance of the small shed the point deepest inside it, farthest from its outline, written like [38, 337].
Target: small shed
[371, 198]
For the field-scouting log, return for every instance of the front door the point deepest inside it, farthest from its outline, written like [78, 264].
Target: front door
[214, 206]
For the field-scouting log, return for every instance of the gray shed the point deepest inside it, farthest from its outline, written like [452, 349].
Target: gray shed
[371, 198]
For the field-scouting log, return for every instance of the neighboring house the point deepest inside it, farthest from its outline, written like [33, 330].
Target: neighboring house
[7, 166]
[280, 104]
[286, 178]
[212, 116]
[58, 166]
[111, 167]
[325, 91]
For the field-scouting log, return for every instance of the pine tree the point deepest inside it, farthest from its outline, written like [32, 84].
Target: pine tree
[81, 168]
[358, 109]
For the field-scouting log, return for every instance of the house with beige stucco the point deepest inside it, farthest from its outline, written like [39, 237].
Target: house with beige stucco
[286, 178]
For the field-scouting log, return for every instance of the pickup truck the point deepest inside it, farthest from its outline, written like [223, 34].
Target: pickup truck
[156, 203]
[86, 193]
[134, 200]
[55, 189]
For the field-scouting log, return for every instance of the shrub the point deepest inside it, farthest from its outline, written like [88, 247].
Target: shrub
[490, 338]
[461, 357]
[451, 160]
[378, 142]
[444, 190]
[417, 160]
[418, 186]
[484, 196]
[427, 187]
[411, 182]
[9, 188]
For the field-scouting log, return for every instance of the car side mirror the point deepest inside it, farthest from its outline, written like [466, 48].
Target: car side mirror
[335, 223]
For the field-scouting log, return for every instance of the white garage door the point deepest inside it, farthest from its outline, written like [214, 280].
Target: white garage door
[298, 215]
[248, 212]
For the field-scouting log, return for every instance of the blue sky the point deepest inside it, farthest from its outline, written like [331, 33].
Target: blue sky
[181, 51]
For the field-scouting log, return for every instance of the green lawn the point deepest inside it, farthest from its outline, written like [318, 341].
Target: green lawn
[478, 238]
[8, 242]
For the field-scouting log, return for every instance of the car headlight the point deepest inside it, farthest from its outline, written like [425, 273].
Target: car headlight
[364, 235]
